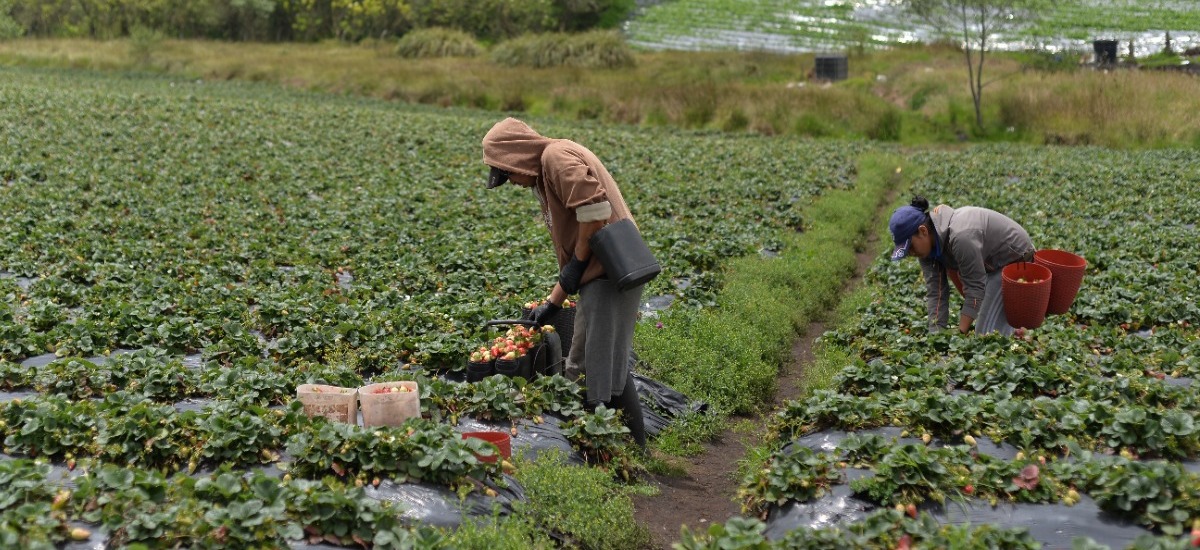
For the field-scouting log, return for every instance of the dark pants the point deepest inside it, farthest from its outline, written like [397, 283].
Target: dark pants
[600, 348]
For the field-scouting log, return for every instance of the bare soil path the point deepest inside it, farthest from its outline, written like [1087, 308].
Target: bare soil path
[707, 493]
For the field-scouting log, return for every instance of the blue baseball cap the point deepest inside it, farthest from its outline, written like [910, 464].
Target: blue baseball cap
[905, 222]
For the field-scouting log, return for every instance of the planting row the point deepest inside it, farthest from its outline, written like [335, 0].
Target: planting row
[1096, 412]
[127, 428]
[220, 510]
[242, 220]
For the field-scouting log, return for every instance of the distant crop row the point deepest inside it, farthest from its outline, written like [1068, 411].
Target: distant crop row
[775, 25]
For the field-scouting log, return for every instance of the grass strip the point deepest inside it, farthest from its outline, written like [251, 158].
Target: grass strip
[582, 507]
[730, 355]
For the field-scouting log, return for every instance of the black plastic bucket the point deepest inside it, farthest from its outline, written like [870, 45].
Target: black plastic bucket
[627, 260]
[479, 371]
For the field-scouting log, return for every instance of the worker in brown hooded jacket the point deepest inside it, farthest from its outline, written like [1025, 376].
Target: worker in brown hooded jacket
[578, 197]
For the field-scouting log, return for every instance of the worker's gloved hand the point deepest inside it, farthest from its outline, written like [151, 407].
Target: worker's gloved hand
[544, 313]
[571, 275]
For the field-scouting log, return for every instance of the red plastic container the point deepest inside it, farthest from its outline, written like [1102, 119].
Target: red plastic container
[501, 440]
[1068, 272]
[1025, 302]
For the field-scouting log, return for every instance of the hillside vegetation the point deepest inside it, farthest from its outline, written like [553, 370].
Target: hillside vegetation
[910, 95]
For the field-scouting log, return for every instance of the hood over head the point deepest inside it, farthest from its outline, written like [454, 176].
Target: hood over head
[514, 147]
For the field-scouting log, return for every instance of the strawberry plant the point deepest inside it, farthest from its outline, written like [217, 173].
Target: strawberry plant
[421, 450]
[18, 341]
[73, 378]
[13, 376]
[250, 379]
[598, 436]
[32, 513]
[885, 528]
[50, 427]
[136, 431]
[331, 511]
[554, 394]
[1157, 494]
[800, 475]
[243, 513]
[237, 434]
[496, 398]
[131, 503]
[908, 474]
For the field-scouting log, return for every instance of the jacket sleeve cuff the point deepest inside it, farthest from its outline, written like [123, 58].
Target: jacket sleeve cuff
[970, 310]
[593, 212]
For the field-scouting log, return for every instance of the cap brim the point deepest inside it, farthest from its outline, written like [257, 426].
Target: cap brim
[496, 178]
[901, 251]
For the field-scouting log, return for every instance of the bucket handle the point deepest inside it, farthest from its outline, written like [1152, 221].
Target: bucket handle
[498, 322]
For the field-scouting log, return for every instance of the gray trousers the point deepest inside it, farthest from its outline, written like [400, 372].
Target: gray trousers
[991, 311]
[603, 338]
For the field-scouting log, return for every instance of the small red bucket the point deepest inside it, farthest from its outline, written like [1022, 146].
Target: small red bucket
[954, 278]
[1068, 272]
[1025, 302]
[501, 440]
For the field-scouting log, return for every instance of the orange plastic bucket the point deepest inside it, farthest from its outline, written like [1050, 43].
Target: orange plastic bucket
[1026, 288]
[1068, 272]
[501, 440]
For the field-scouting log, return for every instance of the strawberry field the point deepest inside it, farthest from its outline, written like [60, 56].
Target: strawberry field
[1082, 433]
[177, 257]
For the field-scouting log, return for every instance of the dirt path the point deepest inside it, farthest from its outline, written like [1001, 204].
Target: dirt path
[707, 493]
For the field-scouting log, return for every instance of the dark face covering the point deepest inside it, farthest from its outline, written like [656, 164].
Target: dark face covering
[496, 178]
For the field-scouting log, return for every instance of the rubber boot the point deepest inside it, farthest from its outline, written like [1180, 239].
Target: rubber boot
[631, 408]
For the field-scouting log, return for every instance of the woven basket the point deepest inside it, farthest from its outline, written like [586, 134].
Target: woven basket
[525, 366]
[1025, 303]
[563, 323]
[508, 367]
[481, 370]
[1068, 272]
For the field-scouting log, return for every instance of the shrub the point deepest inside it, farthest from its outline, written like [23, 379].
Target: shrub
[591, 50]
[437, 42]
[143, 41]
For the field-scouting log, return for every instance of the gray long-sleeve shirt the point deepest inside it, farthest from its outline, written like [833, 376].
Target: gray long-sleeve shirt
[975, 242]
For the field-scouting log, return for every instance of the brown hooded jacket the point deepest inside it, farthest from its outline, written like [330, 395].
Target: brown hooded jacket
[572, 184]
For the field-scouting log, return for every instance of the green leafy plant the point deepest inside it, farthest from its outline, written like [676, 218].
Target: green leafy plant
[801, 475]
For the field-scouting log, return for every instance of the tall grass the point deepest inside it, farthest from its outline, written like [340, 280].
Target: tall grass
[437, 42]
[591, 50]
[911, 95]
[1123, 107]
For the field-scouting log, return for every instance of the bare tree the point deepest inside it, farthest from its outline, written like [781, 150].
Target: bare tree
[976, 23]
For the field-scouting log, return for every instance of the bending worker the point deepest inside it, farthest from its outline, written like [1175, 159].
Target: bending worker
[975, 242]
[577, 196]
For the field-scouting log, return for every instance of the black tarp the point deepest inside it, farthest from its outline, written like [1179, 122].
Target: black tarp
[1055, 525]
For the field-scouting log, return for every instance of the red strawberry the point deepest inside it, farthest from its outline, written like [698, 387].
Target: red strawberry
[911, 510]
[969, 489]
